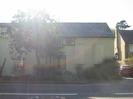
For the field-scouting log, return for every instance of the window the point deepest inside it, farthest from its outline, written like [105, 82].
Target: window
[3, 32]
[3, 29]
[131, 48]
[69, 41]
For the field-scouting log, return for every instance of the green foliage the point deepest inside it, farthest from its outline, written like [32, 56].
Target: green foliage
[69, 76]
[103, 72]
[106, 71]
[122, 25]
[47, 73]
[33, 33]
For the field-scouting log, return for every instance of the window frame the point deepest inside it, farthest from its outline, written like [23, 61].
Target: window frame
[130, 48]
[69, 41]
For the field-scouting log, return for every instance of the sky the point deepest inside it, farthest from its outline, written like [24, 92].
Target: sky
[110, 11]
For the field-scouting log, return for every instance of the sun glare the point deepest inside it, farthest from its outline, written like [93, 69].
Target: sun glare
[109, 11]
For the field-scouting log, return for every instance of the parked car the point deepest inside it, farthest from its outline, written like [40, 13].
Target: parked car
[126, 71]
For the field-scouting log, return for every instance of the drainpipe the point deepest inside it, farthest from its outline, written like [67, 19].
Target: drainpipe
[117, 42]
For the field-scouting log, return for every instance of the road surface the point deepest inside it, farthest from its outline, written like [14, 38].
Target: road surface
[123, 88]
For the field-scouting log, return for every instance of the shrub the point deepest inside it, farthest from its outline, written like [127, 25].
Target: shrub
[69, 76]
[79, 71]
[6, 78]
[47, 73]
[107, 70]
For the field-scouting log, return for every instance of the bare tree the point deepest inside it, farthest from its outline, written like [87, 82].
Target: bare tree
[36, 33]
[2, 66]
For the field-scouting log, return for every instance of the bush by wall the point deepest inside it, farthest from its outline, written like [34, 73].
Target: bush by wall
[105, 71]
[47, 73]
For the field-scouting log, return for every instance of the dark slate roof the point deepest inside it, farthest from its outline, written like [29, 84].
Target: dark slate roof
[4, 24]
[127, 36]
[84, 30]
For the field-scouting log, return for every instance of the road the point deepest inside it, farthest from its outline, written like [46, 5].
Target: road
[123, 88]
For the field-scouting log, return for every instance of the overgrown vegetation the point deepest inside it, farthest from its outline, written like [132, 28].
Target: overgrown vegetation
[33, 33]
[103, 72]
[47, 73]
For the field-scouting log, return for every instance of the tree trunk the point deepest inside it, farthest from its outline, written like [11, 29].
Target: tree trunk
[2, 67]
[38, 57]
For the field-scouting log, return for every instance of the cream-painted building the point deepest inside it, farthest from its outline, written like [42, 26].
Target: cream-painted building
[124, 44]
[86, 44]
[83, 44]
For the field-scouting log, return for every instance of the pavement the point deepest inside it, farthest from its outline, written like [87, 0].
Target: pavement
[122, 89]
